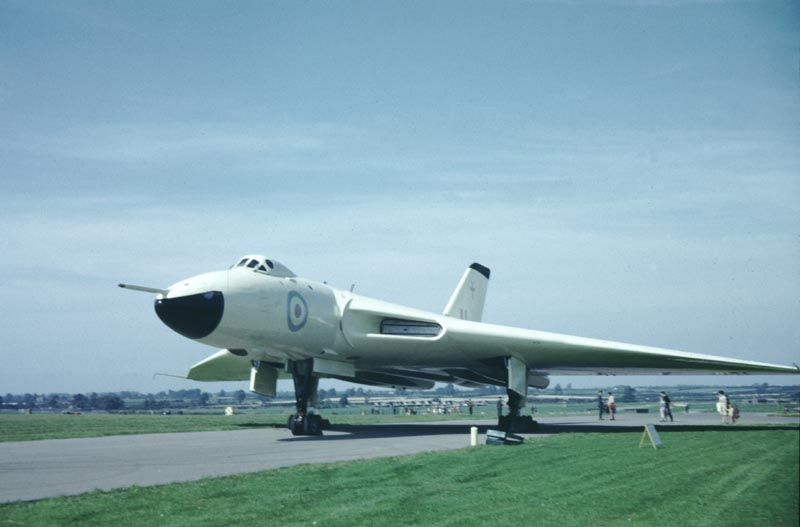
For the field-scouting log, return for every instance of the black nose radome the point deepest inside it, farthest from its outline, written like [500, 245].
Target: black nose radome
[193, 316]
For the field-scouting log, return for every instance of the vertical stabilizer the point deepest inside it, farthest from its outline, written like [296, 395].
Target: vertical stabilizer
[467, 300]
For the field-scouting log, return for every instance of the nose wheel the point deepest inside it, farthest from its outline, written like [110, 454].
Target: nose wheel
[304, 423]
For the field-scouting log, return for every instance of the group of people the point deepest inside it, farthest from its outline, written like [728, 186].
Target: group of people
[728, 410]
[609, 406]
[665, 407]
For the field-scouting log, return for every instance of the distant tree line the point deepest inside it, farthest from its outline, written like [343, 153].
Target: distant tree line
[97, 402]
[94, 401]
[131, 400]
[116, 401]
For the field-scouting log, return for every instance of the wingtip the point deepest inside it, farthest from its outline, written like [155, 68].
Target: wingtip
[485, 271]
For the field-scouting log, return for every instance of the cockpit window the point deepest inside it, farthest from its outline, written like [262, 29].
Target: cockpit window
[261, 264]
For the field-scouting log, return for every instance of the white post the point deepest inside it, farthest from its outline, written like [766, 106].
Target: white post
[473, 436]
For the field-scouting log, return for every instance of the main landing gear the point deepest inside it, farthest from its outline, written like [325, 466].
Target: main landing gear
[517, 390]
[304, 423]
[514, 422]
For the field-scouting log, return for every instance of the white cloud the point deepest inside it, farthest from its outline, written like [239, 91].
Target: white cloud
[155, 141]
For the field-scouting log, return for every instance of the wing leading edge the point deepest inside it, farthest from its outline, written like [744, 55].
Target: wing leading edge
[557, 354]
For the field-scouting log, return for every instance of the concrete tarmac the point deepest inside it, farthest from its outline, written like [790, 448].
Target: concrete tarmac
[31, 470]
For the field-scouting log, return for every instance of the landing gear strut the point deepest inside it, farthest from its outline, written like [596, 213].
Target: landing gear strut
[517, 390]
[305, 393]
[514, 422]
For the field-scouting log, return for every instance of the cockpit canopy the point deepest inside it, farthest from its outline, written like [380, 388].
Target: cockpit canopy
[262, 264]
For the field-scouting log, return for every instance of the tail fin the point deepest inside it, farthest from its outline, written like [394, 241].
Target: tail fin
[467, 300]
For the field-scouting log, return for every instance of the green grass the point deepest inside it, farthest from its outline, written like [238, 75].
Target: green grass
[20, 427]
[731, 478]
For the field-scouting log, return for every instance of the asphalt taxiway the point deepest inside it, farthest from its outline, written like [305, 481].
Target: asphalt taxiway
[40, 469]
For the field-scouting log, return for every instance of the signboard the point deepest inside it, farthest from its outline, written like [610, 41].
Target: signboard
[651, 432]
[499, 437]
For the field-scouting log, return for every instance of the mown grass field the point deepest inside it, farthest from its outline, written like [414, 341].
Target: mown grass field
[21, 427]
[731, 477]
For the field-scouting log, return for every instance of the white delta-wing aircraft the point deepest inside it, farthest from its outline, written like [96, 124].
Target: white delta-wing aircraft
[272, 323]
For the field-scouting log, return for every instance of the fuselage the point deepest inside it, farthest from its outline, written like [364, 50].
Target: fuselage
[259, 310]
[279, 316]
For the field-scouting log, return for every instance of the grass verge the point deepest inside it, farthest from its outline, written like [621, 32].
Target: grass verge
[20, 427]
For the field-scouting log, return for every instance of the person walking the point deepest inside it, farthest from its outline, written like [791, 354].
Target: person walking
[600, 403]
[722, 406]
[612, 406]
[470, 406]
[667, 406]
[662, 407]
[730, 412]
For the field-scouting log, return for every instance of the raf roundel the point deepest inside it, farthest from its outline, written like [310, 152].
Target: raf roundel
[296, 311]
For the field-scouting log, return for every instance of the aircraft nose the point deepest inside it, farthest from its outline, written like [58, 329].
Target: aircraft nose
[193, 316]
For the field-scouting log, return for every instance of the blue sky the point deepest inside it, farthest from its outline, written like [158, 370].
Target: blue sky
[629, 170]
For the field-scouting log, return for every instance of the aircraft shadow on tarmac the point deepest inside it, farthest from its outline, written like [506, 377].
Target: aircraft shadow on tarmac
[419, 430]
[378, 431]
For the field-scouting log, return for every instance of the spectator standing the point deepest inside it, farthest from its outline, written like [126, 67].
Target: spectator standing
[600, 403]
[612, 406]
[730, 411]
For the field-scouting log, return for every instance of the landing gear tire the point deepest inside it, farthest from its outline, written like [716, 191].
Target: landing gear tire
[304, 423]
[517, 424]
[309, 425]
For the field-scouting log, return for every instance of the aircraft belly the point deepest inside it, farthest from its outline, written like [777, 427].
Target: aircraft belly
[377, 350]
[380, 350]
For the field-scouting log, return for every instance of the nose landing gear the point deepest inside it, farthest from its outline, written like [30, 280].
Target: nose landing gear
[305, 425]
